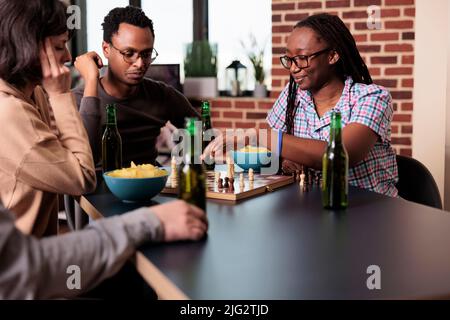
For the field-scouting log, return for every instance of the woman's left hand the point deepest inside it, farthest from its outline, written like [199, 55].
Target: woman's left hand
[56, 77]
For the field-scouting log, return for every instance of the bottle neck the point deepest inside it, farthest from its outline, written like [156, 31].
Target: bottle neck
[335, 130]
[111, 118]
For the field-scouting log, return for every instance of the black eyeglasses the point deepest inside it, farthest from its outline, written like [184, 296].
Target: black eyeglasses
[301, 61]
[131, 56]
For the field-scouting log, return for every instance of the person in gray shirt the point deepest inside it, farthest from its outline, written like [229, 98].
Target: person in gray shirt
[32, 268]
[144, 106]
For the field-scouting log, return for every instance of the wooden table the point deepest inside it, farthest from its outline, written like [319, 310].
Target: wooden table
[283, 245]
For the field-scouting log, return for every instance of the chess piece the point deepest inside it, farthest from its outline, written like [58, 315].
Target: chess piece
[250, 175]
[216, 177]
[226, 184]
[220, 183]
[230, 168]
[250, 184]
[173, 167]
[302, 179]
[241, 178]
[231, 187]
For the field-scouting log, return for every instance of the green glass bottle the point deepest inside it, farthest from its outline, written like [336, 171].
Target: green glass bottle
[206, 125]
[335, 168]
[111, 142]
[192, 173]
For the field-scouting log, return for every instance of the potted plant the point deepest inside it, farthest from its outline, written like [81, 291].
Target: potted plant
[200, 69]
[256, 56]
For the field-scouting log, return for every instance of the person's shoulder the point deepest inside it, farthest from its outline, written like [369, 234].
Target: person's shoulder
[360, 90]
[152, 84]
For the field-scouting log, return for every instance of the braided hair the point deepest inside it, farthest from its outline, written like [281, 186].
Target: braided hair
[333, 31]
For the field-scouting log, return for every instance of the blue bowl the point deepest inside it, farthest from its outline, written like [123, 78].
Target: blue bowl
[254, 160]
[135, 189]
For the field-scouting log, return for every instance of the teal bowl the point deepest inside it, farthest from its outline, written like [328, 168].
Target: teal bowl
[135, 189]
[254, 160]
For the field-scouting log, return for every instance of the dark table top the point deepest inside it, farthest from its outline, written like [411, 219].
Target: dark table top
[283, 245]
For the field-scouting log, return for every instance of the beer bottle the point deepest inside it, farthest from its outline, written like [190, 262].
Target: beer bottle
[335, 168]
[206, 125]
[111, 142]
[192, 174]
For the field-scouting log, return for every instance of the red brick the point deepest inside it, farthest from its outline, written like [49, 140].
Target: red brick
[384, 36]
[276, 18]
[366, 3]
[265, 105]
[408, 83]
[256, 115]
[404, 47]
[275, 93]
[360, 37]
[215, 114]
[400, 24]
[390, 13]
[309, 5]
[401, 95]
[407, 106]
[375, 71]
[263, 125]
[280, 72]
[275, 61]
[383, 60]
[398, 2]
[338, 3]
[408, 35]
[283, 6]
[407, 129]
[223, 124]
[245, 125]
[245, 104]
[281, 29]
[276, 39]
[369, 48]
[408, 60]
[401, 140]
[295, 16]
[388, 83]
[278, 50]
[276, 83]
[360, 26]
[395, 106]
[398, 71]
[410, 12]
[406, 152]
[233, 114]
[402, 118]
[220, 104]
[394, 129]
[354, 14]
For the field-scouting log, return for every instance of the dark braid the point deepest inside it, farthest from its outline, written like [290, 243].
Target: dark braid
[336, 34]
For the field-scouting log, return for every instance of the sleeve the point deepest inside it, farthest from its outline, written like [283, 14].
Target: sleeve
[276, 118]
[89, 108]
[374, 110]
[32, 268]
[180, 108]
[39, 158]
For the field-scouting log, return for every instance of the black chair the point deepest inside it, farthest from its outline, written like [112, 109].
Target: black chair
[415, 183]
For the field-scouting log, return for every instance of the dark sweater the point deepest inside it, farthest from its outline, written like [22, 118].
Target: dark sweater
[139, 118]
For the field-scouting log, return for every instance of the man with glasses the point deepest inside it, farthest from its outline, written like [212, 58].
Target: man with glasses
[144, 106]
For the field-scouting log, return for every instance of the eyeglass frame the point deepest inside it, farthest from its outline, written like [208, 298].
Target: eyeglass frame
[139, 55]
[307, 57]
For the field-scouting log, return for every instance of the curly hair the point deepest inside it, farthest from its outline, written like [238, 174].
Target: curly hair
[131, 15]
[24, 24]
[334, 32]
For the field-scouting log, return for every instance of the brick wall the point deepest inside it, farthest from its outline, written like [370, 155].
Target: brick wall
[388, 52]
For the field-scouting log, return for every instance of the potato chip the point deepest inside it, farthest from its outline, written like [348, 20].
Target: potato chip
[138, 171]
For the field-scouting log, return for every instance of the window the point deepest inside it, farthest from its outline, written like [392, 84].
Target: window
[95, 14]
[233, 20]
[172, 21]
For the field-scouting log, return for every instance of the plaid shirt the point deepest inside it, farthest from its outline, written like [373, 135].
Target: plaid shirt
[369, 105]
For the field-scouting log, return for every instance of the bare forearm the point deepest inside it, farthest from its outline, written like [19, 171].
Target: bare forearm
[307, 152]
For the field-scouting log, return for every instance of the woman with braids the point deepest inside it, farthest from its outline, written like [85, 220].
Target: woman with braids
[328, 74]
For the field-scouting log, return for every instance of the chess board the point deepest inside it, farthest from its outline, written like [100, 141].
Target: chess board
[260, 185]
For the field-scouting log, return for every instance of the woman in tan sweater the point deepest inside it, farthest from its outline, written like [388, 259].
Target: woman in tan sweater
[40, 156]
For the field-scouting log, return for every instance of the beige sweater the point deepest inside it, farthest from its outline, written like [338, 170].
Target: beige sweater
[36, 162]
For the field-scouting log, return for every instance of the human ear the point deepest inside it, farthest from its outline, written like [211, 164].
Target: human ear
[105, 48]
[334, 57]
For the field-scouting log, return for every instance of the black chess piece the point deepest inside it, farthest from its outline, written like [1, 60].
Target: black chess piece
[226, 184]
[220, 183]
